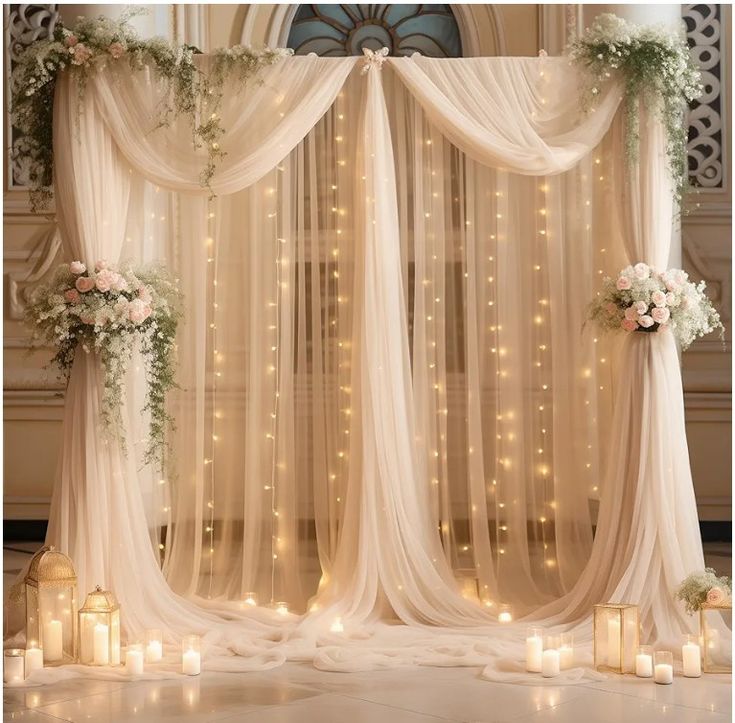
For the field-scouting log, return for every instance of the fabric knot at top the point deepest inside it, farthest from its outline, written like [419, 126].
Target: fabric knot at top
[374, 59]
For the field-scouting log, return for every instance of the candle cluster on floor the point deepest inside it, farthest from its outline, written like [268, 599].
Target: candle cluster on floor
[548, 654]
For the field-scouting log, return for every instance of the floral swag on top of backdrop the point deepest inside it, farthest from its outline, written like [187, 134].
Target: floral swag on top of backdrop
[108, 116]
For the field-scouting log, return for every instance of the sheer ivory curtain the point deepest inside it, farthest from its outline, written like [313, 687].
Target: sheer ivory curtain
[385, 382]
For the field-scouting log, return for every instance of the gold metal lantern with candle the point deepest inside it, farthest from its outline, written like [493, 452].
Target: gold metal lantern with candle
[50, 589]
[616, 637]
[715, 636]
[99, 629]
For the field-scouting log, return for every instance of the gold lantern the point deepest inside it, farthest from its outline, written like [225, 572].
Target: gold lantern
[715, 637]
[615, 640]
[50, 588]
[99, 629]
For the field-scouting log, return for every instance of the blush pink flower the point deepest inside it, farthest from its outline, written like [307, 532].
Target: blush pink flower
[642, 271]
[118, 282]
[671, 285]
[623, 283]
[631, 313]
[672, 299]
[77, 267]
[80, 54]
[71, 41]
[629, 324]
[658, 298]
[138, 311]
[645, 321]
[716, 596]
[84, 284]
[641, 307]
[116, 49]
[72, 296]
[660, 315]
[104, 280]
[101, 264]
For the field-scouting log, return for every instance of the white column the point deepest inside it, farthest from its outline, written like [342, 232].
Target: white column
[652, 14]
[157, 21]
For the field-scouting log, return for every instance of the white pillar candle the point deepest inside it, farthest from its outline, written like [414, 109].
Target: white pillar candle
[550, 665]
[134, 661]
[153, 651]
[190, 662]
[34, 660]
[14, 666]
[691, 657]
[613, 642]
[664, 673]
[566, 657]
[101, 644]
[534, 649]
[644, 665]
[53, 646]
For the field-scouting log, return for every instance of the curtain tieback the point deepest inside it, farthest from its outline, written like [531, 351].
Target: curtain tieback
[374, 59]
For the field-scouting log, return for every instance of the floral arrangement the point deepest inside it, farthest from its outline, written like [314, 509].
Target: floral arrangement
[106, 311]
[86, 48]
[643, 299]
[702, 588]
[657, 66]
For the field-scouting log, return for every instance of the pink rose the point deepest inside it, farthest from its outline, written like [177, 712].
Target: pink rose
[623, 283]
[716, 596]
[642, 271]
[80, 54]
[84, 284]
[138, 311]
[672, 299]
[71, 41]
[641, 307]
[118, 282]
[104, 280]
[658, 298]
[660, 315]
[629, 324]
[631, 313]
[101, 264]
[72, 296]
[671, 285]
[77, 267]
[116, 49]
[645, 321]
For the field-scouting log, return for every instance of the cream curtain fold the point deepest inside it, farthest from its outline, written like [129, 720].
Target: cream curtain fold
[366, 351]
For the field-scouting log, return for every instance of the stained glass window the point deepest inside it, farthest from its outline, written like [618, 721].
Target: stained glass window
[338, 30]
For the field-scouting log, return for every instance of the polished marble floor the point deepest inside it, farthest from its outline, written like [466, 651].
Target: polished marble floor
[297, 693]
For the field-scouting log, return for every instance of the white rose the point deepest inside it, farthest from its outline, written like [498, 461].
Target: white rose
[645, 321]
[641, 307]
[138, 311]
[660, 315]
[672, 299]
[77, 267]
[658, 298]
[642, 271]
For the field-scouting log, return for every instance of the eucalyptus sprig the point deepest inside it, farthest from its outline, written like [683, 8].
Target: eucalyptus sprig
[656, 68]
[89, 46]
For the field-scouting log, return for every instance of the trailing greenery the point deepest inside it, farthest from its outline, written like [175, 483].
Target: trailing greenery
[656, 68]
[106, 312]
[89, 46]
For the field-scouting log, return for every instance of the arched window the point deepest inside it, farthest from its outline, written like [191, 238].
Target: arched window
[338, 30]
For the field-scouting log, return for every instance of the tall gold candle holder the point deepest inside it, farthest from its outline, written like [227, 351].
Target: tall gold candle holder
[715, 635]
[615, 637]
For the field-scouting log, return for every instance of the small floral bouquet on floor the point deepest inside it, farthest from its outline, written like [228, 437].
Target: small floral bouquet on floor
[704, 588]
[106, 311]
[643, 299]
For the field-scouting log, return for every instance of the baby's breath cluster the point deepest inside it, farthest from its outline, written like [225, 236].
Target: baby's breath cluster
[702, 588]
[109, 312]
[656, 68]
[89, 46]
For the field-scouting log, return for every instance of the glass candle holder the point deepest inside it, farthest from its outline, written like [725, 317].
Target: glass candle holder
[504, 614]
[534, 649]
[251, 599]
[191, 661]
[615, 637]
[134, 656]
[153, 646]
[715, 630]
[691, 656]
[34, 658]
[663, 667]
[14, 660]
[550, 659]
[644, 661]
[281, 608]
[566, 650]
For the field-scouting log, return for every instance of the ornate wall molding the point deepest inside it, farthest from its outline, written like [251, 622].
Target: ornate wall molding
[706, 117]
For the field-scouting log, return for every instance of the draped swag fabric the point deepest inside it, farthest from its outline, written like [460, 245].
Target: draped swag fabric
[390, 407]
